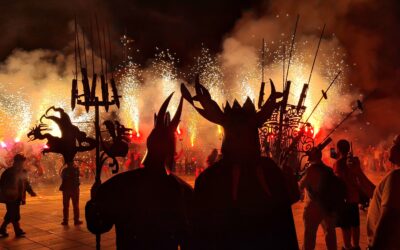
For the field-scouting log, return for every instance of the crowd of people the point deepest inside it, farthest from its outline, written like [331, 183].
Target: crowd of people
[241, 201]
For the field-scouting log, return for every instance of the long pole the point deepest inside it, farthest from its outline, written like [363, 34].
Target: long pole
[347, 117]
[76, 56]
[109, 51]
[99, 39]
[283, 66]
[262, 60]
[79, 49]
[98, 163]
[92, 43]
[291, 47]
[316, 53]
[105, 52]
[84, 47]
[324, 92]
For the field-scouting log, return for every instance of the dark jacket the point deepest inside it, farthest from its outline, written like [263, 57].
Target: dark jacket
[255, 215]
[14, 184]
[149, 211]
[70, 179]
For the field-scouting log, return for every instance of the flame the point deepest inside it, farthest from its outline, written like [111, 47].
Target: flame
[136, 124]
[219, 127]
[192, 137]
[178, 129]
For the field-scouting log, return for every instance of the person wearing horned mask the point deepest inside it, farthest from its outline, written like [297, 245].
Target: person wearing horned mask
[241, 201]
[149, 206]
[383, 220]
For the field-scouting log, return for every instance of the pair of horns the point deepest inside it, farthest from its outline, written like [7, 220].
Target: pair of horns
[162, 119]
[212, 112]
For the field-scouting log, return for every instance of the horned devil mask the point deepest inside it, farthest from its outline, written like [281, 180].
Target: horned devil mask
[161, 141]
[240, 123]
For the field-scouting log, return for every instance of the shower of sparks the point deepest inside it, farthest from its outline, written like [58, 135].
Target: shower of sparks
[210, 73]
[166, 74]
[211, 76]
[193, 127]
[130, 78]
[15, 112]
[130, 86]
[140, 87]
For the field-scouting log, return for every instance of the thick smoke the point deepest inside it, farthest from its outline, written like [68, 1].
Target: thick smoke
[364, 31]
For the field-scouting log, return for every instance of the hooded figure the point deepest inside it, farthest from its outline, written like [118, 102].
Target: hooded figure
[242, 201]
[148, 206]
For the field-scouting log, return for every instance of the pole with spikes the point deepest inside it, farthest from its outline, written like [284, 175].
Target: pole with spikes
[261, 95]
[291, 47]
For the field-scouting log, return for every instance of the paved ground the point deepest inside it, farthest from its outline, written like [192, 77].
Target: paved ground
[42, 215]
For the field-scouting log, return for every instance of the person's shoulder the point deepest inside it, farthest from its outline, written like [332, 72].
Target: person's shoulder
[183, 184]
[6, 172]
[124, 178]
[212, 172]
[393, 177]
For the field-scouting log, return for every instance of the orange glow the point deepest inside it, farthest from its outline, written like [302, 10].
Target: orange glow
[192, 140]
[219, 127]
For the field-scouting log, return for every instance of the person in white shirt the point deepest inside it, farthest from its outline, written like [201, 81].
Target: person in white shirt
[383, 221]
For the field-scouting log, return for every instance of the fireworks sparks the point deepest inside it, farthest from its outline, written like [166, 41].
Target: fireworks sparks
[14, 109]
[130, 77]
[130, 85]
[165, 74]
[144, 88]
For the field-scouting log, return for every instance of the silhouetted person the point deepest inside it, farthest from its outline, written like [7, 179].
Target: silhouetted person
[148, 206]
[70, 191]
[349, 218]
[315, 211]
[242, 201]
[14, 184]
[383, 220]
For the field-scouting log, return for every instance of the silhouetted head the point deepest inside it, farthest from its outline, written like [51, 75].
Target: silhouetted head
[19, 160]
[343, 147]
[161, 141]
[314, 155]
[394, 156]
[212, 157]
[241, 137]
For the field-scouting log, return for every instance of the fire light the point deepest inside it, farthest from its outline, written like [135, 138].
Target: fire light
[192, 140]
[219, 128]
[45, 146]
[17, 139]
[3, 144]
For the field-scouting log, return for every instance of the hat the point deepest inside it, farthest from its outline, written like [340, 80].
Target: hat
[19, 158]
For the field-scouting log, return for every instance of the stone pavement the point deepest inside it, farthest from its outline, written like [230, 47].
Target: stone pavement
[42, 215]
